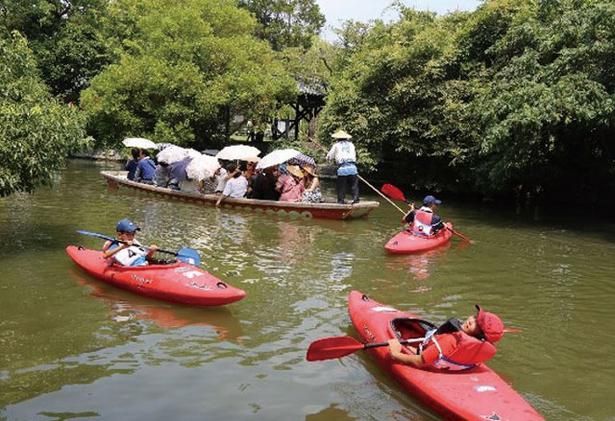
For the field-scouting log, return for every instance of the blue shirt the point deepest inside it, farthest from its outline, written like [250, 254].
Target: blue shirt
[146, 169]
[131, 167]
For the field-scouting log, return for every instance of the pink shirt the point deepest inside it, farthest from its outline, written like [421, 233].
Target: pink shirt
[291, 190]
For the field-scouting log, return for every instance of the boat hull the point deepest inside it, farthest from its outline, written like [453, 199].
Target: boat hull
[176, 282]
[475, 394]
[117, 179]
[405, 242]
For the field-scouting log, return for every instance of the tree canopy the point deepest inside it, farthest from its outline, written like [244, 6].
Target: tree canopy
[286, 23]
[182, 69]
[36, 131]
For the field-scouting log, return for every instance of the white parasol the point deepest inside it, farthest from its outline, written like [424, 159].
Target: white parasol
[172, 154]
[238, 152]
[139, 142]
[277, 157]
[202, 167]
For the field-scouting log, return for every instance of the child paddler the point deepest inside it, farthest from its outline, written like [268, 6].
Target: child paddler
[454, 345]
[128, 251]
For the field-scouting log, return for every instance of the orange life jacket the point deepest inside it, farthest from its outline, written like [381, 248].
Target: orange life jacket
[468, 353]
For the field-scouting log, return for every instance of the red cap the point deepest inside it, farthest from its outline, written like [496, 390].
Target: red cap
[491, 325]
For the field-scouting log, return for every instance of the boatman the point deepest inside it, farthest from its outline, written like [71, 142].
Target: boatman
[345, 156]
[425, 221]
[126, 250]
[454, 346]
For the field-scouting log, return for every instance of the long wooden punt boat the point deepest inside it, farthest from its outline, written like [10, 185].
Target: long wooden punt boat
[117, 179]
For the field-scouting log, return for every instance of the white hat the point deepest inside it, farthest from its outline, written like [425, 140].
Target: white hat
[340, 134]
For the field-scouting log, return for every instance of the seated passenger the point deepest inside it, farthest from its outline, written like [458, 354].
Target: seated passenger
[236, 186]
[161, 175]
[131, 165]
[290, 185]
[177, 173]
[146, 168]
[264, 184]
[126, 250]
[312, 192]
[455, 345]
[424, 221]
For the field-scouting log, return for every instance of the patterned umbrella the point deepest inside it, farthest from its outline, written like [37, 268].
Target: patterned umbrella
[302, 159]
[202, 167]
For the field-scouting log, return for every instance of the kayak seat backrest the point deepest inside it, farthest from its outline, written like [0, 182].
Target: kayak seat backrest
[408, 328]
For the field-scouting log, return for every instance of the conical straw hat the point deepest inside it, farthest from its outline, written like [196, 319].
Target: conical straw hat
[340, 134]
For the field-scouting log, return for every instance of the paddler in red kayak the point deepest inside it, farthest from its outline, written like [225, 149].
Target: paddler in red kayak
[128, 251]
[454, 345]
[425, 221]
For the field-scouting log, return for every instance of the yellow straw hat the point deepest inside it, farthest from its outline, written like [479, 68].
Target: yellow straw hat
[295, 170]
[340, 134]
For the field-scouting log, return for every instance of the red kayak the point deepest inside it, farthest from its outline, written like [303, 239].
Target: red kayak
[177, 282]
[474, 394]
[406, 242]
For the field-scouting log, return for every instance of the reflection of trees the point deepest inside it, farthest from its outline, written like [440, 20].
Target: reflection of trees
[332, 412]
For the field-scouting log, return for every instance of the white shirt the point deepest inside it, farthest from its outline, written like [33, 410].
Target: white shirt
[236, 187]
[342, 151]
[221, 179]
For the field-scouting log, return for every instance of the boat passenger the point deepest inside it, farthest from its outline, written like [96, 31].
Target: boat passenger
[250, 174]
[344, 155]
[177, 173]
[131, 164]
[236, 187]
[126, 250]
[263, 187]
[425, 221]
[312, 192]
[454, 346]
[161, 175]
[290, 185]
[221, 176]
[146, 168]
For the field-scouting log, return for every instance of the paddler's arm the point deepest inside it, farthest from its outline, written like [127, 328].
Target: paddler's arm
[108, 253]
[409, 216]
[397, 355]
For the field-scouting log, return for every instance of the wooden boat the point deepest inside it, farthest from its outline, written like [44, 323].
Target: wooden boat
[117, 179]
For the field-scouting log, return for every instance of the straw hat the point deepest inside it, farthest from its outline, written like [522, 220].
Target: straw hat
[295, 170]
[340, 134]
[309, 170]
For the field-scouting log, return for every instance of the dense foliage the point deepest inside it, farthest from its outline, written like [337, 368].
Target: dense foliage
[183, 68]
[65, 38]
[517, 96]
[36, 131]
[286, 23]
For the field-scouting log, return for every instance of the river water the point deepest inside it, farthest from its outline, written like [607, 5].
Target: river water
[72, 347]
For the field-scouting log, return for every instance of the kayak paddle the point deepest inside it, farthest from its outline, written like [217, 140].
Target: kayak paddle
[393, 192]
[185, 254]
[463, 237]
[340, 346]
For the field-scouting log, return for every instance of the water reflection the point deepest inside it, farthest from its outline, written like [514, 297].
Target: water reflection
[126, 307]
[420, 265]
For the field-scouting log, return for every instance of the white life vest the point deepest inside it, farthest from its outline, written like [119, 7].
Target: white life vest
[134, 255]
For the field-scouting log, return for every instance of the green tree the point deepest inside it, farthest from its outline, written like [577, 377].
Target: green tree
[36, 132]
[186, 68]
[65, 38]
[286, 23]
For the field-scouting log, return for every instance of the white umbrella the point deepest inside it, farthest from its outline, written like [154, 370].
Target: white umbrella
[277, 157]
[238, 152]
[172, 154]
[139, 142]
[193, 153]
[202, 167]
